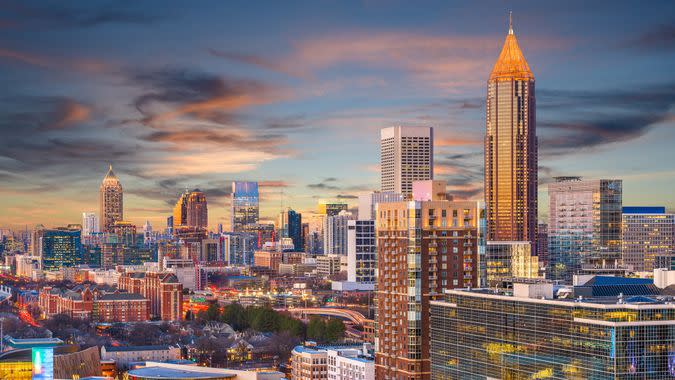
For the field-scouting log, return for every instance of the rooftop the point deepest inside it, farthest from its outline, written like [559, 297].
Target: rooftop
[511, 63]
[137, 348]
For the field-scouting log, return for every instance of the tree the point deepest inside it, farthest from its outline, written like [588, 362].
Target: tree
[265, 320]
[235, 315]
[316, 329]
[335, 329]
[212, 313]
[143, 334]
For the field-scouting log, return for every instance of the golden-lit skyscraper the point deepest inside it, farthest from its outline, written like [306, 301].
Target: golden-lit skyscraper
[511, 148]
[111, 208]
[197, 211]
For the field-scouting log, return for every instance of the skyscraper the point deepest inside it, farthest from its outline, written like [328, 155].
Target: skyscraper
[197, 210]
[89, 224]
[290, 226]
[406, 155]
[511, 148]
[180, 211]
[584, 227]
[111, 208]
[331, 208]
[245, 206]
[335, 233]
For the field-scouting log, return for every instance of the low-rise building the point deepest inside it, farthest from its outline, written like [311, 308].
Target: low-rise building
[163, 290]
[100, 304]
[124, 355]
[311, 362]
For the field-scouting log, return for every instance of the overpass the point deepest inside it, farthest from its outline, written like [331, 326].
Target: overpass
[353, 316]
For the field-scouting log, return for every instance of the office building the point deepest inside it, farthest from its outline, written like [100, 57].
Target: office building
[197, 214]
[331, 208]
[328, 265]
[111, 207]
[335, 233]
[290, 226]
[584, 227]
[648, 238]
[423, 247]
[245, 209]
[267, 259]
[210, 251]
[511, 148]
[508, 261]
[368, 202]
[89, 224]
[530, 333]
[542, 245]
[406, 155]
[60, 247]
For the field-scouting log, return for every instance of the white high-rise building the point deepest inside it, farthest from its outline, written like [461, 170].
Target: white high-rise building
[148, 237]
[406, 155]
[89, 224]
[335, 233]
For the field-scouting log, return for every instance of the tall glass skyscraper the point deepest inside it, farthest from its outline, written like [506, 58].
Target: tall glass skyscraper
[511, 148]
[111, 207]
[584, 228]
[290, 226]
[245, 206]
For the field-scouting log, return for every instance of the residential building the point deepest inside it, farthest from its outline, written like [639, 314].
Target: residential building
[529, 333]
[335, 233]
[99, 304]
[163, 290]
[245, 209]
[648, 238]
[423, 247]
[111, 206]
[511, 148]
[406, 155]
[584, 228]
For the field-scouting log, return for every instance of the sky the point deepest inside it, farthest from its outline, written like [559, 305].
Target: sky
[293, 94]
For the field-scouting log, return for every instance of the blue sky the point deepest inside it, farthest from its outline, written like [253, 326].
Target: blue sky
[292, 94]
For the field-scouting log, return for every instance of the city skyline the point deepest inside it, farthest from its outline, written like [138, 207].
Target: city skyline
[283, 110]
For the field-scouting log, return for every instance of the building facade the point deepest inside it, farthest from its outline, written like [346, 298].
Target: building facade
[111, 206]
[245, 209]
[162, 290]
[290, 226]
[648, 238]
[197, 210]
[423, 247]
[477, 334]
[406, 155]
[584, 228]
[331, 363]
[509, 260]
[60, 247]
[361, 252]
[90, 224]
[511, 148]
[335, 233]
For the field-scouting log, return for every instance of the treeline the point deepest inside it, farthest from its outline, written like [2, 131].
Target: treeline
[266, 319]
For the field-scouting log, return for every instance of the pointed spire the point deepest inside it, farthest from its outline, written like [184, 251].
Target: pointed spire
[511, 63]
[510, 22]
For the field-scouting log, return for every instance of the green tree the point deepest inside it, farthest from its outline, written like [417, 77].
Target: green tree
[235, 315]
[265, 320]
[335, 329]
[211, 314]
[316, 329]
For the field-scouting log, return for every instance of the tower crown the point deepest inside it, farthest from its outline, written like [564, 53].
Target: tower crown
[511, 63]
[110, 177]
